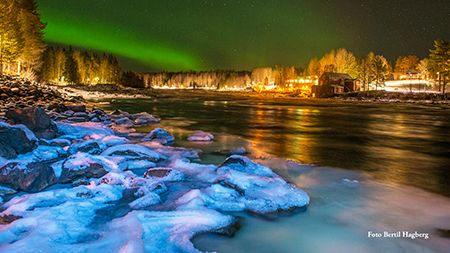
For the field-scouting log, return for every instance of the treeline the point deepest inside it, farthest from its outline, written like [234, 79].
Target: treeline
[75, 66]
[220, 79]
[375, 68]
[21, 37]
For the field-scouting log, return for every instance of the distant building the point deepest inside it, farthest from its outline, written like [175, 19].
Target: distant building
[331, 84]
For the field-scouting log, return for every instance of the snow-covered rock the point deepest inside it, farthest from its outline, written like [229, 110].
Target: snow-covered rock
[164, 174]
[159, 135]
[133, 151]
[80, 130]
[200, 136]
[144, 118]
[83, 165]
[171, 231]
[92, 147]
[15, 139]
[57, 220]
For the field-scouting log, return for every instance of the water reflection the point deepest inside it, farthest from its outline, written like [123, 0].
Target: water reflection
[406, 144]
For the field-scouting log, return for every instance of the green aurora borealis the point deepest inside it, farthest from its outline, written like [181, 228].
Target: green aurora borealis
[199, 35]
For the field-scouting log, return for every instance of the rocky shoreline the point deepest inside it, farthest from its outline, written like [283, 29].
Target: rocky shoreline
[76, 176]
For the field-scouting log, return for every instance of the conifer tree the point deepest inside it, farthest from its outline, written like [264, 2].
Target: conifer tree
[11, 42]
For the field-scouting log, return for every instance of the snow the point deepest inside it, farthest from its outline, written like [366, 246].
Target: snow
[146, 231]
[132, 151]
[55, 220]
[112, 140]
[145, 201]
[80, 130]
[81, 161]
[159, 135]
[127, 210]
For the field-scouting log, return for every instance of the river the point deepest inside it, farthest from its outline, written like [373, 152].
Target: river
[368, 168]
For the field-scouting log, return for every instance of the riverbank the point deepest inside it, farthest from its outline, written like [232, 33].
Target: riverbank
[96, 92]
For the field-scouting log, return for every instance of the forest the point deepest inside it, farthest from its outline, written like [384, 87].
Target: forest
[23, 52]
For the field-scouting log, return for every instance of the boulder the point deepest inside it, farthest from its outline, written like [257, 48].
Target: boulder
[133, 151]
[200, 136]
[35, 119]
[90, 146]
[76, 107]
[31, 177]
[145, 119]
[159, 135]
[16, 138]
[157, 172]
[81, 166]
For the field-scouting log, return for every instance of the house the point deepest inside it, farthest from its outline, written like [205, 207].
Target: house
[331, 84]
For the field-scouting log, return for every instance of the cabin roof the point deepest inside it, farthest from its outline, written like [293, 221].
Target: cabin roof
[336, 76]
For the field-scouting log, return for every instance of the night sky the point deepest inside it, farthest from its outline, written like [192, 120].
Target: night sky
[150, 35]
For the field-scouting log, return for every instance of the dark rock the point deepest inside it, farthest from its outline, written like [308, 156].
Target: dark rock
[14, 137]
[76, 107]
[124, 121]
[57, 107]
[35, 119]
[159, 135]
[7, 152]
[32, 177]
[8, 218]
[80, 114]
[91, 147]
[78, 168]
[157, 172]
[77, 119]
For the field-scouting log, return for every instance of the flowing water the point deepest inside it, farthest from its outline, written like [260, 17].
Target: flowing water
[367, 168]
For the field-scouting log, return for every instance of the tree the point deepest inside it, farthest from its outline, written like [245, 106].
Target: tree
[406, 63]
[70, 68]
[313, 68]
[366, 70]
[380, 70]
[346, 62]
[31, 29]
[11, 42]
[340, 61]
[60, 64]
[440, 60]
[424, 68]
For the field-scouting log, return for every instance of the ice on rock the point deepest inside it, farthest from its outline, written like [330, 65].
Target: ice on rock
[216, 197]
[164, 174]
[146, 231]
[112, 140]
[80, 130]
[244, 164]
[201, 136]
[83, 165]
[159, 135]
[42, 153]
[200, 172]
[136, 164]
[133, 151]
[92, 147]
[55, 221]
[145, 201]
[173, 153]
[60, 142]
[145, 119]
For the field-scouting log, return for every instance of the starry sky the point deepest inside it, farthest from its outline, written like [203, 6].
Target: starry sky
[174, 35]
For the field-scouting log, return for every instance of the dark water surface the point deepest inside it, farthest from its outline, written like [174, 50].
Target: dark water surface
[376, 167]
[401, 143]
